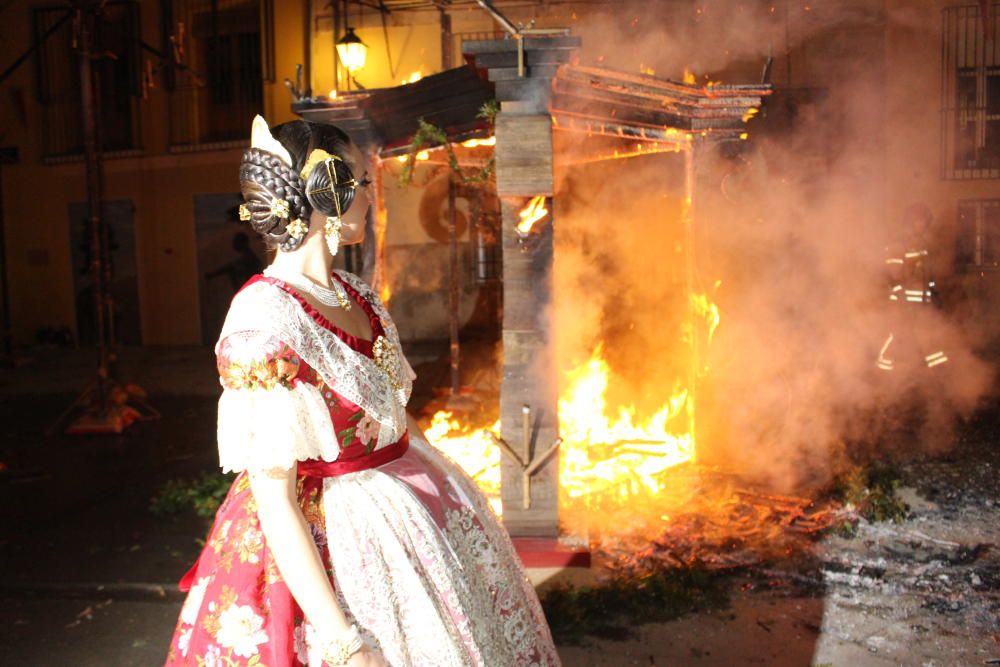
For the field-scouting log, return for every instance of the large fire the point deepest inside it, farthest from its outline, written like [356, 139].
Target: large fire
[617, 460]
[609, 457]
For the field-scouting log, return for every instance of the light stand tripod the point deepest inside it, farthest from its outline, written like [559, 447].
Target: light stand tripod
[104, 406]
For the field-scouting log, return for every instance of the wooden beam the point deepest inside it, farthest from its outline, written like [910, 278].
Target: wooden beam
[524, 155]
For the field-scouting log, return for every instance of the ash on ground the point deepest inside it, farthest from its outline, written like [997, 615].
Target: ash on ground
[925, 591]
[839, 589]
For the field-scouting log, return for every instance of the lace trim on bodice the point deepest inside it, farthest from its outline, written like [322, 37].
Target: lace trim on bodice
[405, 371]
[263, 307]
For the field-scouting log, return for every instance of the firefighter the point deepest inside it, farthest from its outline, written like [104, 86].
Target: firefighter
[912, 294]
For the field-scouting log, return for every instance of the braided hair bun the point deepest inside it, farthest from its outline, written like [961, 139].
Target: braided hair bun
[276, 203]
[274, 199]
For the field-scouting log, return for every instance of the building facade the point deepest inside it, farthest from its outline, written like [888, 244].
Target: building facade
[180, 80]
[943, 86]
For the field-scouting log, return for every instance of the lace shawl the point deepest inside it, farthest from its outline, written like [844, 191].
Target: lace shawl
[267, 309]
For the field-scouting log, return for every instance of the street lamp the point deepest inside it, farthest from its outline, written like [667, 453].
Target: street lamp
[352, 52]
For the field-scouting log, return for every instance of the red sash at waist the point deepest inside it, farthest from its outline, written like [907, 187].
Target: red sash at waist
[317, 468]
[342, 466]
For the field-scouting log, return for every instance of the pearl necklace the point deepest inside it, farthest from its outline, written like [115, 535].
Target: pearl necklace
[336, 297]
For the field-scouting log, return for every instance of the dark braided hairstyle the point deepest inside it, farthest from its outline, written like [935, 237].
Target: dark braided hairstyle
[265, 179]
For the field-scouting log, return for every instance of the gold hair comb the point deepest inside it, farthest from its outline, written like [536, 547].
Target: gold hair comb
[317, 156]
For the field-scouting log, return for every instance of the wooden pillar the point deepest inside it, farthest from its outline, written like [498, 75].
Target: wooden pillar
[528, 393]
[529, 423]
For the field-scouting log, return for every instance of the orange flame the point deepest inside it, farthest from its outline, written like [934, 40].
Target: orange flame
[385, 292]
[473, 143]
[601, 457]
[472, 449]
[703, 307]
[532, 213]
[413, 78]
[420, 156]
[615, 466]
[622, 454]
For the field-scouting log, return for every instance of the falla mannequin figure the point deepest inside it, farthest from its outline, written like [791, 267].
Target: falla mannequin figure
[346, 538]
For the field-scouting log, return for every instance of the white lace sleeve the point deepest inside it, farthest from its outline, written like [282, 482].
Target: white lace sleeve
[268, 418]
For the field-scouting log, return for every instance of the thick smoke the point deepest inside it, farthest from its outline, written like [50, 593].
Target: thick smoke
[792, 227]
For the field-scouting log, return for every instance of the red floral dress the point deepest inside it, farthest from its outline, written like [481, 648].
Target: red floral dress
[415, 555]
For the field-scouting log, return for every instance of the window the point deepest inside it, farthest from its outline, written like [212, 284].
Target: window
[971, 93]
[977, 247]
[57, 76]
[225, 60]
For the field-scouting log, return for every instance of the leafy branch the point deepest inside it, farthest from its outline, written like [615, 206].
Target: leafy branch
[203, 494]
[430, 135]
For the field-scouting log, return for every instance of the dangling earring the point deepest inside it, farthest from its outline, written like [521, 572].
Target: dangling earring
[332, 232]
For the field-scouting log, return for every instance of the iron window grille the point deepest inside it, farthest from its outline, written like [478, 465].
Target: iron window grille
[977, 246]
[970, 93]
[116, 76]
[228, 54]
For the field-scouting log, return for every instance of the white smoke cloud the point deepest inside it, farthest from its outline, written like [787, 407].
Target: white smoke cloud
[795, 227]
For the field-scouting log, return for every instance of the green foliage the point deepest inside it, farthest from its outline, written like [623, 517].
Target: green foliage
[873, 492]
[428, 135]
[489, 111]
[203, 494]
[613, 609]
[846, 529]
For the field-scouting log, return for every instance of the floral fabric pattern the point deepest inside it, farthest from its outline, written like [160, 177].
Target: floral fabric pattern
[416, 557]
[273, 367]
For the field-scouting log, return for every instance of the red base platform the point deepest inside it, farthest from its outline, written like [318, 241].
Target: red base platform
[548, 552]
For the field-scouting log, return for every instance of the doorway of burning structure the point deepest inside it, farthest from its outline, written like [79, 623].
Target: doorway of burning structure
[118, 217]
[622, 319]
[621, 243]
[228, 255]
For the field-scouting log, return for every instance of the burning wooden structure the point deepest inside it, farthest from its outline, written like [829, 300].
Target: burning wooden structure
[547, 102]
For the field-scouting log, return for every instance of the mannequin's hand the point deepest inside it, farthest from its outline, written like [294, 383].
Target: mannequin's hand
[367, 657]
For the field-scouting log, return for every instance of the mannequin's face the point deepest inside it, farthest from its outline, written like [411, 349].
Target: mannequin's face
[353, 229]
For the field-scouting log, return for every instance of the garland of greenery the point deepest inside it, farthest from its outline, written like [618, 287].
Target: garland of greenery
[428, 135]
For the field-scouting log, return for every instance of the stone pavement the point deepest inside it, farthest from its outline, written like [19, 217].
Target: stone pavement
[89, 573]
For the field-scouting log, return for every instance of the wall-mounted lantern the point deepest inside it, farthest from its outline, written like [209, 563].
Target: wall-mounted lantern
[352, 51]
